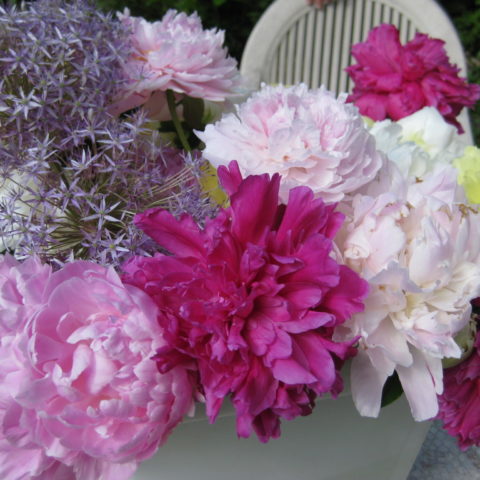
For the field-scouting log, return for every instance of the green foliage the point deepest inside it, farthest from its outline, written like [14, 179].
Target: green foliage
[392, 390]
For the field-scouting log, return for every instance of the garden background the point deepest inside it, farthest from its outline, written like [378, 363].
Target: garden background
[225, 14]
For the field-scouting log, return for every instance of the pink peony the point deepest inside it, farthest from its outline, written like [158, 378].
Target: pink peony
[80, 397]
[308, 136]
[21, 292]
[394, 81]
[249, 303]
[175, 53]
[419, 249]
[460, 402]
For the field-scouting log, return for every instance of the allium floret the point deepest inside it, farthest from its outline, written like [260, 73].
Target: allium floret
[249, 303]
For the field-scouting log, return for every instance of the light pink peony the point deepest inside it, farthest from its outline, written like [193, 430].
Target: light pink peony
[460, 402]
[419, 249]
[307, 136]
[250, 302]
[394, 81]
[175, 53]
[80, 397]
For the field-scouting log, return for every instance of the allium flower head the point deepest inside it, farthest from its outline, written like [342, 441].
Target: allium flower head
[59, 61]
[87, 210]
[394, 80]
[249, 303]
[177, 54]
[419, 249]
[81, 398]
[460, 401]
[308, 136]
[72, 175]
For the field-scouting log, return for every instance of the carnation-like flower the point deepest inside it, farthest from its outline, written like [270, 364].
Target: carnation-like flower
[419, 250]
[394, 80]
[81, 397]
[308, 136]
[249, 303]
[468, 166]
[460, 402]
[177, 54]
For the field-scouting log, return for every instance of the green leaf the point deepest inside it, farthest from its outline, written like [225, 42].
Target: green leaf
[392, 390]
[193, 112]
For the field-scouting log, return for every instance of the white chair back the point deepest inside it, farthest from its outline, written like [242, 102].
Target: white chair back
[293, 42]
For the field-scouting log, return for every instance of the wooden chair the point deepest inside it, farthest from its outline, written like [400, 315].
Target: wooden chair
[293, 42]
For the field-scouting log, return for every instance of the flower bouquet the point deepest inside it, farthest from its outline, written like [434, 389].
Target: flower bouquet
[164, 248]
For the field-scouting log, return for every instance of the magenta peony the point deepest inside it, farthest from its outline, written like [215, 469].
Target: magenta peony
[249, 303]
[308, 136]
[460, 402]
[80, 397]
[394, 81]
[175, 53]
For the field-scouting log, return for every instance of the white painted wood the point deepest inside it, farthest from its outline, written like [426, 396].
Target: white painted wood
[334, 443]
[293, 42]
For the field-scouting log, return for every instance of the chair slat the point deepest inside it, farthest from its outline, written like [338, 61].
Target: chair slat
[377, 14]
[337, 41]
[282, 62]
[291, 59]
[310, 32]
[300, 28]
[326, 46]
[348, 30]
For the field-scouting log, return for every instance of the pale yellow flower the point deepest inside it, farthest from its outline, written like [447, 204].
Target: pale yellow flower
[468, 167]
[210, 185]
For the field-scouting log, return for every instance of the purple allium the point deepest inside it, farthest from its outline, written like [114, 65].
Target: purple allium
[83, 205]
[72, 176]
[59, 61]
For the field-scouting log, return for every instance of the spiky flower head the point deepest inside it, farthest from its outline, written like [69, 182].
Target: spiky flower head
[59, 61]
[83, 203]
[72, 175]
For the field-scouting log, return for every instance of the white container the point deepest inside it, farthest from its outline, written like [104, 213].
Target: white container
[334, 443]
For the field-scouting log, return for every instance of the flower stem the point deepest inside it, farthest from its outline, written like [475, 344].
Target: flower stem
[176, 121]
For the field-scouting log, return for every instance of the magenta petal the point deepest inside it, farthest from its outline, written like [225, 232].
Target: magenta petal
[181, 237]
[254, 207]
[289, 371]
[309, 321]
[320, 360]
[230, 177]
[347, 297]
